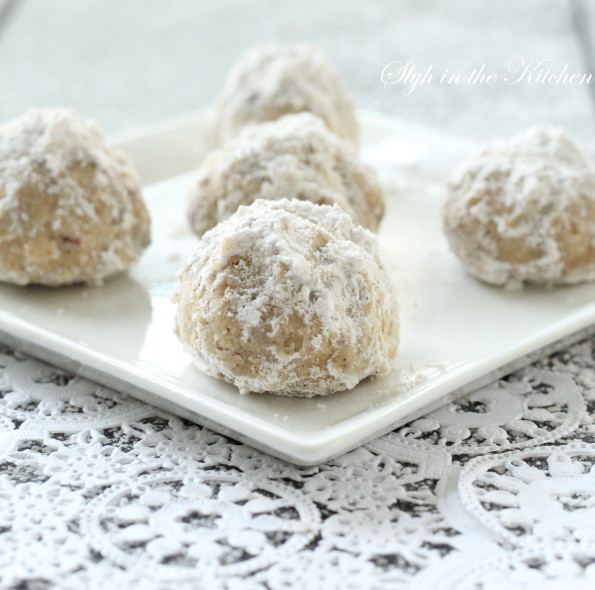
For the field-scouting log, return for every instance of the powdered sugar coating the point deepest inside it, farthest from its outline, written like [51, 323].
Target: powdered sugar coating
[295, 156]
[70, 206]
[288, 297]
[273, 80]
[523, 211]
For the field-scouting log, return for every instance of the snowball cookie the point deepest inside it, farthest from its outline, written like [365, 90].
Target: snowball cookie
[523, 211]
[293, 157]
[274, 80]
[70, 206]
[288, 297]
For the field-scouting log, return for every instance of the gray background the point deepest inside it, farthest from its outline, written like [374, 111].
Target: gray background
[130, 62]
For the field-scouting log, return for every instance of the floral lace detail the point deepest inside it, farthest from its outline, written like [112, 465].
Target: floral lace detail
[539, 567]
[546, 493]
[493, 490]
[531, 407]
[35, 397]
[191, 520]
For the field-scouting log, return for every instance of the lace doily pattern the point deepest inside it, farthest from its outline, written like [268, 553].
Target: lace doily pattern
[529, 408]
[538, 567]
[546, 493]
[188, 520]
[35, 398]
[493, 490]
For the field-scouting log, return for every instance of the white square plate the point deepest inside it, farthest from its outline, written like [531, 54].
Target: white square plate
[457, 334]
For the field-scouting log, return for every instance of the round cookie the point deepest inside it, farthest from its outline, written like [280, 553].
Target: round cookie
[523, 211]
[270, 81]
[293, 157]
[71, 210]
[288, 297]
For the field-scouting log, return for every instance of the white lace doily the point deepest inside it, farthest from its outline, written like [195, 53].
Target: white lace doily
[496, 490]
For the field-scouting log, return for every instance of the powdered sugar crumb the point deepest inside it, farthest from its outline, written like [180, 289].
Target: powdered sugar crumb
[295, 156]
[523, 210]
[52, 156]
[288, 297]
[273, 80]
